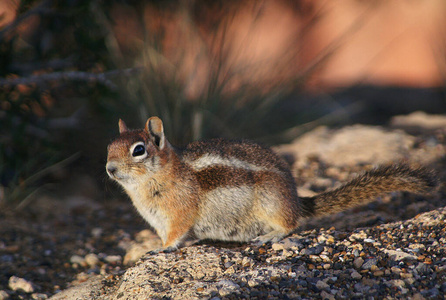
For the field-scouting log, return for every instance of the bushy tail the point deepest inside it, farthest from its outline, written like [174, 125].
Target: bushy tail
[371, 184]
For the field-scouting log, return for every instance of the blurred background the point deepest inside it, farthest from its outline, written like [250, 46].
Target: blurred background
[268, 70]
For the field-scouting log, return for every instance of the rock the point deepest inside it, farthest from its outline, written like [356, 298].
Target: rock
[369, 263]
[418, 296]
[417, 247]
[378, 273]
[17, 283]
[277, 246]
[361, 288]
[419, 119]
[327, 296]
[227, 287]
[325, 238]
[398, 283]
[84, 291]
[92, 259]
[113, 259]
[254, 282]
[358, 262]
[350, 146]
[312, 250]
[247, 262]
[356, 275]
[398, 255]
[151, 277]
[288, 244]
[39, 296]
[77, 259]
[220, 272]
[3, 295]
[433, 293]
[423, 269]
[145, 241]
[96, 232]
[357, 236]
[322, 285]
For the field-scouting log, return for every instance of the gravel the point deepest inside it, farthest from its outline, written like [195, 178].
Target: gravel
[381, 270]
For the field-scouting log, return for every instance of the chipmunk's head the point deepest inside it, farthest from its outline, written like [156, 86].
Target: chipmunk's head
[138, 154]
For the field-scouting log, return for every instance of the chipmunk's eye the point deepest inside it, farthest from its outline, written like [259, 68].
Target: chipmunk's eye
[139, 150]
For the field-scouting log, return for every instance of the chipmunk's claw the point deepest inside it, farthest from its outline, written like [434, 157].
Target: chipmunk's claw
[163, 250]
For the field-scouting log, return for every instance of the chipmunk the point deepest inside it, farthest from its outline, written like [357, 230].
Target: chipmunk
[231, 190]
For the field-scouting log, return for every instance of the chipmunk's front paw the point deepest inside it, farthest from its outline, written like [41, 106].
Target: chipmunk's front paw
[273, 236]
[163, 250]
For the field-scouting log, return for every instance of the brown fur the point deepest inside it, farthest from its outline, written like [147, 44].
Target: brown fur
[231, 190]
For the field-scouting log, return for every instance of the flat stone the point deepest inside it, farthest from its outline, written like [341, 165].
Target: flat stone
[398, 255]
[369, 263]
[358, 262]
[355, 275]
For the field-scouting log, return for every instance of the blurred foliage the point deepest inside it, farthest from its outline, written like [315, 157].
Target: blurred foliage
[68, 72]
[46, 120]
[252, 109]
[39, 121]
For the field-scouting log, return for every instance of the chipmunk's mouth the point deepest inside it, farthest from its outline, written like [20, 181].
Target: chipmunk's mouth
[113, 172]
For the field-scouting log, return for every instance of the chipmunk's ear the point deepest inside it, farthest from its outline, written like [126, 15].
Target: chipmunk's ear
[122, 126]
[154, 127]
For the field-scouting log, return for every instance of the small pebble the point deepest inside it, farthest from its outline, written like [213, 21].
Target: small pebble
[227, 287]
[398, 283]
[112, 259]
[247, 262]
[369, 263]
[358, 262]
[17, 283]
[398, 255]
[327, 296]
[39, 296]
[313, 250]
[277, 246]
[96, 232]
[378, 273]
[92, 259]
[322, 285]
[3, 295]
[355, 275]
[77, 259]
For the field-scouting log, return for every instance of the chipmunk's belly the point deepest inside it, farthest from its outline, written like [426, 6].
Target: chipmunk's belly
[227, 214]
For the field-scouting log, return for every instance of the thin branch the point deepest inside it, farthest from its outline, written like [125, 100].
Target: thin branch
[55, 64]
[101, 78]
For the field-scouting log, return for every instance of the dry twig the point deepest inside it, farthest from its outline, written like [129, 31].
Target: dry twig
[102, 78]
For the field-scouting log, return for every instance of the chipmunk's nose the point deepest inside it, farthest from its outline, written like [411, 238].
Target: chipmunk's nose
[111, 168]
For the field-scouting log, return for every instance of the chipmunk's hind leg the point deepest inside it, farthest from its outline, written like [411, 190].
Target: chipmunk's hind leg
[277, 210]
[272, 236]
